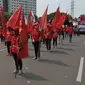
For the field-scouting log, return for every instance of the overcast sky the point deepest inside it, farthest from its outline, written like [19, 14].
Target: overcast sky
[65, 6]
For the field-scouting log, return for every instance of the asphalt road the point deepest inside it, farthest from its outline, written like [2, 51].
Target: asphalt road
[64, 65]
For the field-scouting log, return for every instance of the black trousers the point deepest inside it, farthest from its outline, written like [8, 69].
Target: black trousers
[48, 44]
[4, 40]
[37, 49]
[54, 41]
[8, 46]
[18, 62]
[78, 33]
[63, 36]
[43, 40]
[5, 43]
[1, 39]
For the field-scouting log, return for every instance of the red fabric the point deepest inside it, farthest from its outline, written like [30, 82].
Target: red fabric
[48, 33]
[61, 21]
[56, 18]
[70, 30]
[55, 33]
[43, 20]
[66, 29]
[0, 32]
[30, 22]
[24, 38]
[22, 23]
[8, 36]
[14, 44]
[2, 17]
[14, 20]
[3, 32]
[35, 35]
[23, 20]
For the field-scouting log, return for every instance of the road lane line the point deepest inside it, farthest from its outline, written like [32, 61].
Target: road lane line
[80, 72]
[2, 49]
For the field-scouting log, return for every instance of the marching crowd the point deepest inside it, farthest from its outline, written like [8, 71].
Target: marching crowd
[12, 40]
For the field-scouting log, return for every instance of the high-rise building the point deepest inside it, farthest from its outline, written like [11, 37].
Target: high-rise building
[11, 5]
[26, 6]
[5, 5]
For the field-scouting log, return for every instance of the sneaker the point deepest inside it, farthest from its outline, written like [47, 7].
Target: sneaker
[34, 58]
[56, 46]
[15, 71]
[59, 43]
[46, 50]
[50, 50]
[53, 46]
[8, 54]
[20, 72]
[38, 59]
[4, 46]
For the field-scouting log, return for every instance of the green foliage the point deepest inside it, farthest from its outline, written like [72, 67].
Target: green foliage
[50, 16]
[67, 22]
[7, 16]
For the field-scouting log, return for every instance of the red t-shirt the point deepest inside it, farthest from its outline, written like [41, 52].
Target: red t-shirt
[35, 35]
[48, 33]
[70, 30]
[8, 36]
[14, 44]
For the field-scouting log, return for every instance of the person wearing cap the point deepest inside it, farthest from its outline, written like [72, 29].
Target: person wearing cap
[48, 36]
[15, 48]
[36, 38]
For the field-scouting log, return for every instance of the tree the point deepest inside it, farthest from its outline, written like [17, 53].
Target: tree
[7, 16]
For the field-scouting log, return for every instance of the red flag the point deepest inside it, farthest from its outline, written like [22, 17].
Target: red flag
[61, 20]
[23, 20]
[43, 20]
[30, 22]
[24, 39]
[56, 18]
[2, 16]
[22, 23]
[15, 18]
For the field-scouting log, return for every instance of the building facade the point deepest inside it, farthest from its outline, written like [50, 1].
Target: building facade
[26, 6]
[11, 5]
[5, 5]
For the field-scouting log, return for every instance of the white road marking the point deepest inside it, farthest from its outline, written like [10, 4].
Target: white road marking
[80, 72]
[2, 49]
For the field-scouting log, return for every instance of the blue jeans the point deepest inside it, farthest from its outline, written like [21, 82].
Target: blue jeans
[70, 38]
